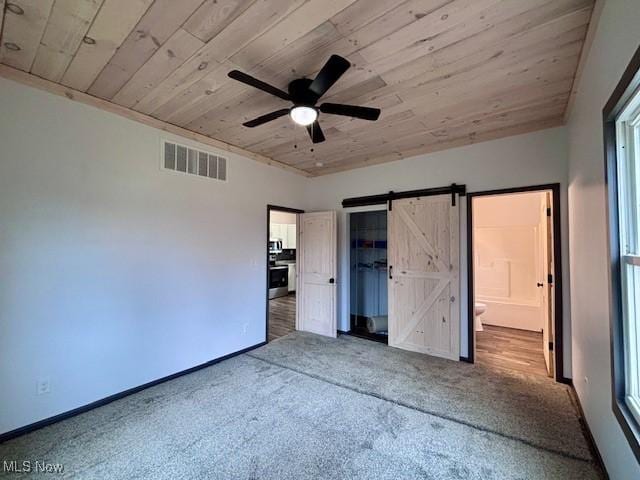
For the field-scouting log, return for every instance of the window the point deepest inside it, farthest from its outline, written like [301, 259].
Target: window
[622, 151]
[628, 156]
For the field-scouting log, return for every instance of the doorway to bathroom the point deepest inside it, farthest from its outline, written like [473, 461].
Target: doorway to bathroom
[515, 299]
[368, 275]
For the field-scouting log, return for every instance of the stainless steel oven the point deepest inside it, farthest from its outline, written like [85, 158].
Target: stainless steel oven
[278, 281]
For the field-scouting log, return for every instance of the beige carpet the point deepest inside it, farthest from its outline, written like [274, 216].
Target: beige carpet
[308, 407]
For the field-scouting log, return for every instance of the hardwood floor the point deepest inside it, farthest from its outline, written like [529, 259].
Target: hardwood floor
[511, 349]
[282, 316]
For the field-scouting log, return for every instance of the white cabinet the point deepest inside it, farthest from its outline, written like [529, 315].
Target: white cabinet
[284, 232]
[276, 232]
[291, 236]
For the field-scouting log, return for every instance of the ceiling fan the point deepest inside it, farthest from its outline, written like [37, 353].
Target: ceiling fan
[304, 93]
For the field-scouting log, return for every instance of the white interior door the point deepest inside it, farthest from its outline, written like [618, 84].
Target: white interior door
[546, 310]
[424, 284]
[317, 246]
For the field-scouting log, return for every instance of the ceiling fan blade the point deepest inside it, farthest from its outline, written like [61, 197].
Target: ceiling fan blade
[365, 113]
[259, 84]
[315, 132]
[266, 118]
[329, 74]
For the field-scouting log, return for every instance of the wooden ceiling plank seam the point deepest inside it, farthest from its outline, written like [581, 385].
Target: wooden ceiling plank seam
[512, 34]
[269, 70]
[494, 71]
[463, 93]
[33, 81]
[173, 53]
[360, 14]
[66, 27]
[364, 132]
[182, 101]
[460, 42]
[400, 17]
[213, 16]
[289, 29]
[435, 24]
[204, 23]
[554, 0]
[21, 33]
[113, 23]
[155, 27]
[258, 17]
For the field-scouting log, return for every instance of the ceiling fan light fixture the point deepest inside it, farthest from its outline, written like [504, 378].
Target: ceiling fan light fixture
[303, 115]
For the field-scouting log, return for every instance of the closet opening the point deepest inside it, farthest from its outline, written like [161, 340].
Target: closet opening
[368, 275]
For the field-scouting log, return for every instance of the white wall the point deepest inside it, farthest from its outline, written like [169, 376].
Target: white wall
[523, 160]
[617, 38]
[114, 273]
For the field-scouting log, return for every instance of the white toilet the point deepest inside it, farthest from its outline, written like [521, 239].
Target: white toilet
[479, 309]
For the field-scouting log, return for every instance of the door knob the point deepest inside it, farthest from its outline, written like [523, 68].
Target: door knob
[332, 280]
[540, 284]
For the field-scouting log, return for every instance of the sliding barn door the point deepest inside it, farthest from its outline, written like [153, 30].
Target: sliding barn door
[424, 287]
[317, 265]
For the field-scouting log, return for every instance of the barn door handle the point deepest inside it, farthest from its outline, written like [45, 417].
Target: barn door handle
[390, 272]
[332, 280]
[540, 284]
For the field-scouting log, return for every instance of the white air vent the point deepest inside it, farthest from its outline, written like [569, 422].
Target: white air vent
[181, 158]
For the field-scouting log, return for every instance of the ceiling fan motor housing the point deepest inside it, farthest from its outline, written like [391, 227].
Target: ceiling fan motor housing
[300, 93]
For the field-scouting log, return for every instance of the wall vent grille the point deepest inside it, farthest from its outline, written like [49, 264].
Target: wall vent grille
[183, 159]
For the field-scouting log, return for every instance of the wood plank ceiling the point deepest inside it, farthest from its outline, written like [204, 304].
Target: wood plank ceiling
[445, 72]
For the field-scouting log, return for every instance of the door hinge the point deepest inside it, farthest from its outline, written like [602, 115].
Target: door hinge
[548, 212]
[550, 279]
[551, 346]
[390, 203]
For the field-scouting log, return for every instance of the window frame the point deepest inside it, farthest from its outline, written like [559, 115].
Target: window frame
[627, 87]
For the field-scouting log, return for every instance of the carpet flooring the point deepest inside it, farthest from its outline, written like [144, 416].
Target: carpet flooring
[308, 407]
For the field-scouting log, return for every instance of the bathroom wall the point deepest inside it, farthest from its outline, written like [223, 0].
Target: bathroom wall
[508, 259]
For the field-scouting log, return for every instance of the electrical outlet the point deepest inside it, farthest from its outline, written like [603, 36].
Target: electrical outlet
[43, 385]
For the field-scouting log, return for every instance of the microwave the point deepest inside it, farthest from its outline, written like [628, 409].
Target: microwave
[275, 246]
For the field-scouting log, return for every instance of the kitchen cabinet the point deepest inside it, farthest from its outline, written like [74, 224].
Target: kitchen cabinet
[284, 232]
[291, 236]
